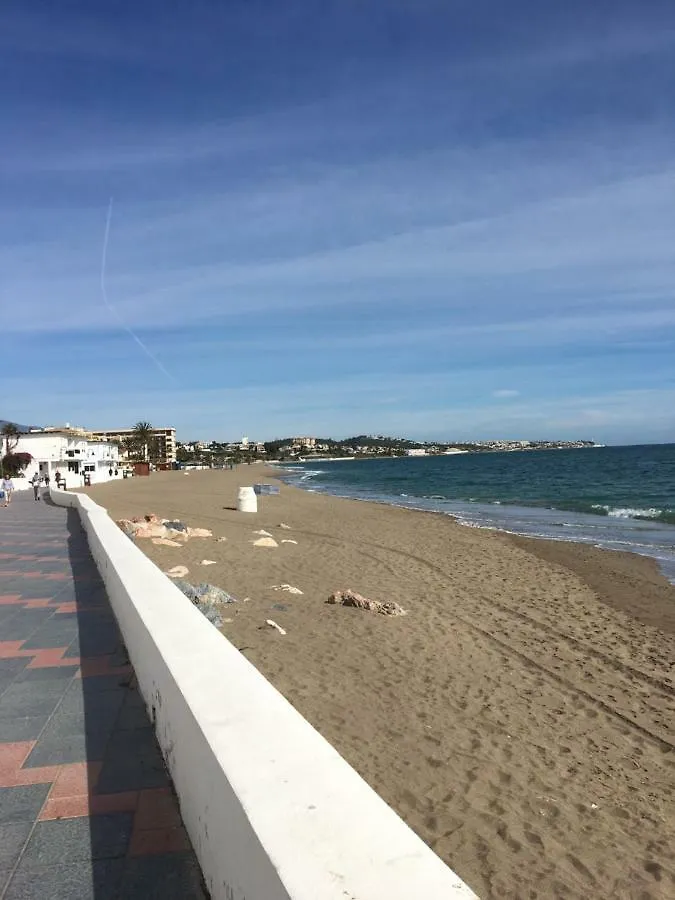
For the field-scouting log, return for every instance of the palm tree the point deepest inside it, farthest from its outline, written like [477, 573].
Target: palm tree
[11, 434]
[143, 436]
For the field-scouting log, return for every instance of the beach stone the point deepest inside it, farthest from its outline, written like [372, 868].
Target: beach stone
[199, 532]
[188, 590]
[165, 542]
[351, 598]
[221, 540]
[208, 562]
[209, 593]
[211, 613]
[265, 542]
[284, 525]
[175, 525]
[263, 533]
[288, 588]
[177, 572]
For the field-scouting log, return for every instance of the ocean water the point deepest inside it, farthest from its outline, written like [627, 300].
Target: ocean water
[620, 498]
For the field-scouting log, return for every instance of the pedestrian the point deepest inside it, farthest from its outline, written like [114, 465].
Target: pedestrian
[110, 473]
[7, 488]
[35, 481]
[57, 479]
[47, 479]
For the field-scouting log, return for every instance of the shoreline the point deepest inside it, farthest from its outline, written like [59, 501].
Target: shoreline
[459, 518]
[519, 721]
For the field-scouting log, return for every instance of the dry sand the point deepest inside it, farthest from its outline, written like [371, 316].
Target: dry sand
[520, 718]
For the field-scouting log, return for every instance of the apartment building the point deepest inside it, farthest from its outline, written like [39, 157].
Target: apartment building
[166, 440]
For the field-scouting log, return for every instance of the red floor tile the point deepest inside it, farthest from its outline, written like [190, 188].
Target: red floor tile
[75, 780]
[52, 657]
[157, 808]
[158, 841]
[12, 650]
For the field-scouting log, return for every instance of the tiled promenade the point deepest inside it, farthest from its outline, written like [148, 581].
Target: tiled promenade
[86, 806]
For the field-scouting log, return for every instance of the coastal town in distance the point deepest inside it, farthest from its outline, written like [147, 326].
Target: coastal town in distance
[361, 446]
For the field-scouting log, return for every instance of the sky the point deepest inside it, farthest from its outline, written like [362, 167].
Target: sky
[443, 219]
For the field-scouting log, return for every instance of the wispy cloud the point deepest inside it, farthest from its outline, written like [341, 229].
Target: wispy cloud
[505, 393]
[440, 215]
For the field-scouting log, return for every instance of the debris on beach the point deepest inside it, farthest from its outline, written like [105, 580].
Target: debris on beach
[265, 542]
[199, 532]
[273, 624]
[177, 572]
[221, 539]
[208, 562]
[151, 526]
[152, 530]
[263, 533]
[207, 598]
[351, 598]
[286, 587]
[166, 542]
[175, 525]
[288, 541]
[284, 525]
[128, 527]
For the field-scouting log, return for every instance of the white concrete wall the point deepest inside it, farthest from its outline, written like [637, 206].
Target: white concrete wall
[273, 811]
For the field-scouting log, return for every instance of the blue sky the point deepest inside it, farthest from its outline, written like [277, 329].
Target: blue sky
[439, 219]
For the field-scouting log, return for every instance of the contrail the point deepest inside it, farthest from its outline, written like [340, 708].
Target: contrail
[112, 309]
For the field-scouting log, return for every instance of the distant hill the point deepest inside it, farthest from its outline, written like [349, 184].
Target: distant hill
[22, 428]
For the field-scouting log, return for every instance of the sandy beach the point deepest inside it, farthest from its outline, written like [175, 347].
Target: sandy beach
[520, 718]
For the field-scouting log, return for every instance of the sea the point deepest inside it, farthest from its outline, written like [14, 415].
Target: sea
[619, 498]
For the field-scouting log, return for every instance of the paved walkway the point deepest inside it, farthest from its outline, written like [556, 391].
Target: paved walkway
[86, 806]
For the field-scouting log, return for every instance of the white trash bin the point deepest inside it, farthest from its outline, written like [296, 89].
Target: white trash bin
[247, 500]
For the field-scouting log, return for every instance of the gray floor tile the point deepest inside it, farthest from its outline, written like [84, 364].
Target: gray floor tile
[12, 839]
[20, 628]
[54, 633]
[22, 804]
[132, 762]
[22, 728]
[63, 750]
[49, 673]
[72, 840]
[76, 702]
[31, 698]
[167, 877]
[11, 668]
[98, 880]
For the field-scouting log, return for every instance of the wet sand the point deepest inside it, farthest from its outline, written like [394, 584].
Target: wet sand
[519, 718]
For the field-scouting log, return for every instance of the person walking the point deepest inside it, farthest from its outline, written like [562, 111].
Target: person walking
[47, 480]
[35, 481]
[7, 488]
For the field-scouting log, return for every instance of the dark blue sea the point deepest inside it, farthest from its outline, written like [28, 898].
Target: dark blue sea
[620, 498]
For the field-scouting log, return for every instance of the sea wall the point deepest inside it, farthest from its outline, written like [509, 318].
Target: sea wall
[272, 810]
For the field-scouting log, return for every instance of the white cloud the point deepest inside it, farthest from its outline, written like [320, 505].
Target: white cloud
[505, 394]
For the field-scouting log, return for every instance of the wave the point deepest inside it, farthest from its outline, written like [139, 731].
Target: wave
[310, 473]
[629, 512]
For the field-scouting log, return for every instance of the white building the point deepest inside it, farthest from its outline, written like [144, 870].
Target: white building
[416, 451]
[70, 454]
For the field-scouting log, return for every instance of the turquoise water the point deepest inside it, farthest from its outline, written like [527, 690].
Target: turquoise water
[615, 497]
